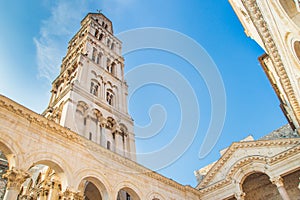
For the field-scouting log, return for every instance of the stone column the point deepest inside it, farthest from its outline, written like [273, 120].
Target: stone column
[125, 146]
[15, 178]
[119, 143]
[278, 181]
[240, 195]
[71, 195]
[87, 127]
[103, 132]
[54, 189]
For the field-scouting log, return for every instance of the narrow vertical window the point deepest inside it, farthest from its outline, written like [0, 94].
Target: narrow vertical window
[90, 136]
[101, 36]
[94, 88]
[108, 145]
[96, 33]
[110, 97]
[94, 54]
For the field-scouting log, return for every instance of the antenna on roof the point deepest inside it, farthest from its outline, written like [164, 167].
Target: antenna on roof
[99, 11]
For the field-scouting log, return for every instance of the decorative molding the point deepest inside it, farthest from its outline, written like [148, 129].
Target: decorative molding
[262, 28]
[56, 129]
[294, 150]
[252, 144]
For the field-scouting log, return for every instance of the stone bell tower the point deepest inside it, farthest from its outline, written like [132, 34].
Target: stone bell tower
[89, 96]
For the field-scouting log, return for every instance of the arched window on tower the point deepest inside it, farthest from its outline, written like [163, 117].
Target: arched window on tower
[111, 68]
[94, 54]
[99, 58]
[110, 97]
[101, 36]
[96, 33]
[94, 89]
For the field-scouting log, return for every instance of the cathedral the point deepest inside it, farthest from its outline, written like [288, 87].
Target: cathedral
[82, 147]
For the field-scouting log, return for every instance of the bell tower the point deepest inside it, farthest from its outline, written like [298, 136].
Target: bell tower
[89, 96]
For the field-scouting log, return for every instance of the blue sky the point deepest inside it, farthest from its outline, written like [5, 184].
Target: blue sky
[34, 39]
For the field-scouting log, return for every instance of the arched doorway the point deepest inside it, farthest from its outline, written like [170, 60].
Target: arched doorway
[93, 189]
[259, 186]
[127, 194]
[91, 192]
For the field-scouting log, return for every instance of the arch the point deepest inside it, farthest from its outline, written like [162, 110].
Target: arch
[258, 186]
[111, 86]
[111, 122]
[129, 188]
[94, 73]
[296, 46]
[95, 87]
[11, 150]
[290, 8]
[155, 196]
[246, 166]
[54, 161]
[82, 107]
[97, 179]
[96, 114]
[110, 97]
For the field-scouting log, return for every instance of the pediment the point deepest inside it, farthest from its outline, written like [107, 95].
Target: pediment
[239, 152]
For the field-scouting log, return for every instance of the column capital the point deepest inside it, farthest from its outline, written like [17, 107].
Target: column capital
[240, 195]
[71, 195]
[15, 178]
[278, 181]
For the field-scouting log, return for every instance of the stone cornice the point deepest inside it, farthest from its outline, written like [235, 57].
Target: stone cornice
[262, 28]
[10, 106]
[252, 144]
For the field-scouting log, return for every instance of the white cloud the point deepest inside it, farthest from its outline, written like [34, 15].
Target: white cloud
[55, 32]
[58, 29]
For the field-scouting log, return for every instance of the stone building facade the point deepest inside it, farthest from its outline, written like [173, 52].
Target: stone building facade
[268, 168]
[274, 25]
[89, 95]
[82, 146]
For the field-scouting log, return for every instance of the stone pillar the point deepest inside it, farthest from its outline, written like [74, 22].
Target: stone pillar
[103, 132]
[87, 127]
[240, 195]
[15, 178]
[278, 181]
[54, 189]
[119, 143]
[125, 146]
[71, 195]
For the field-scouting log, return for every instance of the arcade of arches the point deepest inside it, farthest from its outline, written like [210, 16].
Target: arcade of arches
[75, 150]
